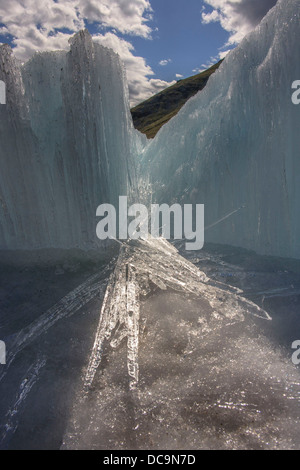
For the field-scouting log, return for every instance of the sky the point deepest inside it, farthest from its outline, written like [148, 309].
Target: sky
[160, 41]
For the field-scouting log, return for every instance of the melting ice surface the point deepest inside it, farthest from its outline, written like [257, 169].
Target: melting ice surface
[157, 347]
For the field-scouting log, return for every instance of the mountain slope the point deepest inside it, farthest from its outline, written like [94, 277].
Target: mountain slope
[151, 115]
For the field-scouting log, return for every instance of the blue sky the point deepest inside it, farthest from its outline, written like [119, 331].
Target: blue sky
[159, 41]
[181, 37]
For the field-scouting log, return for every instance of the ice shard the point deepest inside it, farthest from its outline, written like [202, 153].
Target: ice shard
[235, 146]
[154, 263]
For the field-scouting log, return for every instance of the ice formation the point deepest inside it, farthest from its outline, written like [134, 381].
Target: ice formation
[67, 144]
[142, 265]
[236, 144]
[208, 375]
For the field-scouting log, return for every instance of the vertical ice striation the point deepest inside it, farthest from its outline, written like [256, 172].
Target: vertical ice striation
[236, 144]
[20, 197]
[67, 144]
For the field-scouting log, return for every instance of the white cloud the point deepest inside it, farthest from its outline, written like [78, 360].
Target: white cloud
[39, 20]
[49, 24]
[140, 85]
[223, 54]
[165, 62]
[211, 17]
[37, 25]
[129, 17]
[198, 70]
[33, 24]
[178, 75]
[212, 61]
[238, 17]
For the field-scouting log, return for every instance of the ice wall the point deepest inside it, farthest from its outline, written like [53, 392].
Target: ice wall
[67, 145]
[237, 143]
